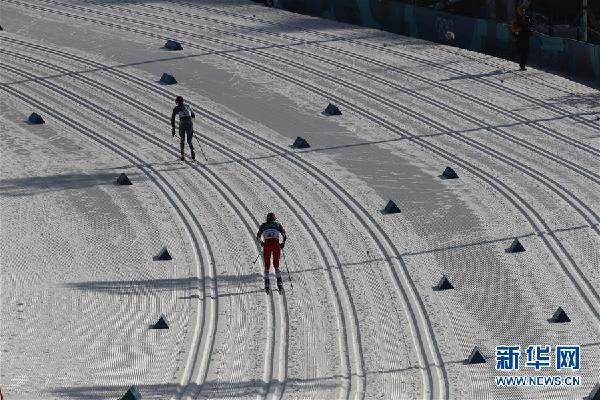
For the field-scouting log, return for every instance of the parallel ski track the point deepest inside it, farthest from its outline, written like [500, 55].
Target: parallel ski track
[268, 180]
[576, 279]
[388, 67]
[453, 110]
[215, 119]
[585, 211]
[203, 267]
[579, 280]
[595, 177]
[429, 355]
[192, 391]
[206, 337]
[409, 56]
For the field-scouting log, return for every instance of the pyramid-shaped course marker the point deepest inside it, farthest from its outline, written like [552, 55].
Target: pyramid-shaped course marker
[168, 79]
[560, 316]
[449, 173]
[595, 393]
[332, 109]
[300, 143]
[36, 119]
[132, 394]
[123, 180]
[515, 247]
[476, 357]
[391, 208]
[163, 255]
[173, 45]
[444, 284]
[162, 323]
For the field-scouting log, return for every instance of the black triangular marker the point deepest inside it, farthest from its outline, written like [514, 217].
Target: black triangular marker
[332, 109]
[391, 208]
[163, 255]
[444, 284]
[476, 357]
[300, 143]
[560, 316]
[449, 173]
[173, 45]
[36, 119]
[515, 247]
[162, 323]
[132, 394]
[123, 180]
[168, 79]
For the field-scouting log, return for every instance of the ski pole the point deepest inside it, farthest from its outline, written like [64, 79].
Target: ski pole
[287, 269]
[200, 145]
[256, 259]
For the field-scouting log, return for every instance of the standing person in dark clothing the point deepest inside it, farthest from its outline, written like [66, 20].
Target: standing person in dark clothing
[521, 28]
[186, 126]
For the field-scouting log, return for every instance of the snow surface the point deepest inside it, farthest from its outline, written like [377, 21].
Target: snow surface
[80, 290]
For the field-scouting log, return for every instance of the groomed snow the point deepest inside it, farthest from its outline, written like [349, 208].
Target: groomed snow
[80, 289]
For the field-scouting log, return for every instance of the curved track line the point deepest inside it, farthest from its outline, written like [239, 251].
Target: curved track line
[443, 130]
[410, 56]
[388, 67]
[594, 304]
[157, 115]
[176, 202]
[197, 374]
[585, 211]
[431, 352]
[595, 177]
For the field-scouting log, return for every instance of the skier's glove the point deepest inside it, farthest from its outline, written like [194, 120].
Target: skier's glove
[262, 244]
[282, 245]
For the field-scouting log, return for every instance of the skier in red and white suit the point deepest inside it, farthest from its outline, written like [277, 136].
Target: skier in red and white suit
[270, 231]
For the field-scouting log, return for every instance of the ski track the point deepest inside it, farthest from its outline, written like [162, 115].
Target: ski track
[441, 389]
[554, 245]
[197, 374]
[270, 365]
[397, 53]
[291, 47]
[203, 258]
[591, 219]
[157, 115]
[360, 374]
[479, 124]
[528, 170]
[378, 47]
[354, 317]
[595, 177]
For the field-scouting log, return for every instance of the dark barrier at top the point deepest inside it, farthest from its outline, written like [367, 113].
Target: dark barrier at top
[568, 56]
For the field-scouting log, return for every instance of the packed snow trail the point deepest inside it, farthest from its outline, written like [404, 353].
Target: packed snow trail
[539, 183]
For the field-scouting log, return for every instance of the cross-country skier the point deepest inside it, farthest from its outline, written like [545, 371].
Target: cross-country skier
[186, 126]
[270, 232]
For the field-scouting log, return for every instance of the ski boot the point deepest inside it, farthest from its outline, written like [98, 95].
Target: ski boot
[193, 155]
[182, 156]
[267, 286]
[279, 284]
